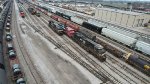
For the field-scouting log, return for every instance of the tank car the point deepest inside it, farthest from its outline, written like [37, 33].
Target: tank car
[141, 64]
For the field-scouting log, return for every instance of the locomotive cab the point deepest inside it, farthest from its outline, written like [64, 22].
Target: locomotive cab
[98, 48]
[100, 52]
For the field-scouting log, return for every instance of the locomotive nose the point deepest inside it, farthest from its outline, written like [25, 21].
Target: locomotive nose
[146, 67]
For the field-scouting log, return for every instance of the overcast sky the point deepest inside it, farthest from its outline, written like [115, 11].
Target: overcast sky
[107, 0]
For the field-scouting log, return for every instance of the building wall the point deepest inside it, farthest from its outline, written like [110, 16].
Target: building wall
[131, 20]
[108, 16]
[119, 17]
[125, 19]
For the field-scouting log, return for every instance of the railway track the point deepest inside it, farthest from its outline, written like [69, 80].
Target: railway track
[121, 65]
[36, 78]
[121, 74]
[114, 69]
[88, 58]
[122, 47]
[107, 64]
[61, 46]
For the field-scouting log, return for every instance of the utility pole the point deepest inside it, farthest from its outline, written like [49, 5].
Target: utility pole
[91, 2]
[75, 3]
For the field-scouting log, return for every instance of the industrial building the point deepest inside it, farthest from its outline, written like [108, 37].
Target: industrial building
[120, 17]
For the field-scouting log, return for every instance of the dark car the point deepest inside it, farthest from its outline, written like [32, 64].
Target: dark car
[38, 14]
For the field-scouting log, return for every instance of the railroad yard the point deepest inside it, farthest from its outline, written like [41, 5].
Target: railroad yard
[42, 45]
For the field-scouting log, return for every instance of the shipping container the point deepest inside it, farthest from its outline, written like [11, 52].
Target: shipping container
[72, 25]
[77, 20]
[119, 37]
[143, 47]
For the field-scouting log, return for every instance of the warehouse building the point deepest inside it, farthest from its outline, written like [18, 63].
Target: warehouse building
[120, 17]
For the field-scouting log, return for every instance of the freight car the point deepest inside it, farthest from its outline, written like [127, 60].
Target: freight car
[66, 16]
[77, 20]
[55, 17]
[141, 64]
[129, 41]
[92, 27]
[62, 20]
[139, 45]
[59, 14]
[57, 27]
[65, 22]
[124, 37]
[72, 25]
[143, 46]
[63, 15]
[96, 49]
[108, 46]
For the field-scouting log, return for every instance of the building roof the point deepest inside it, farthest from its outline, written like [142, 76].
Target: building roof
[122, 11]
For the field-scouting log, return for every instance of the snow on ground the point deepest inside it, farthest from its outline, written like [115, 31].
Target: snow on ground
[42, 62]
[48, 74]
[90, 76]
